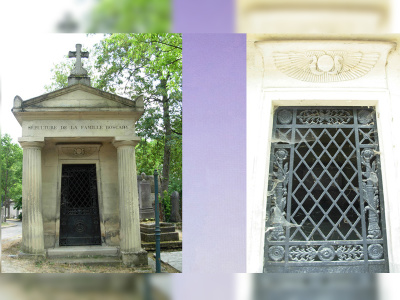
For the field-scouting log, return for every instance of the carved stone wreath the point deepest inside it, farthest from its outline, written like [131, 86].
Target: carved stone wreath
[78, 151]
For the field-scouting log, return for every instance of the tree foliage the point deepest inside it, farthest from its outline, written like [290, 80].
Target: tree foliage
[149, 64]
[11, 171]
[131, 16]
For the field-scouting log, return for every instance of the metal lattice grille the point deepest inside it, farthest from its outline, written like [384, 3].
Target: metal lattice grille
[79, 218]
[81, 195]
[324, 211]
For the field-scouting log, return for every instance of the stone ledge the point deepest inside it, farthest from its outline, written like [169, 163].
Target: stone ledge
[163, 245]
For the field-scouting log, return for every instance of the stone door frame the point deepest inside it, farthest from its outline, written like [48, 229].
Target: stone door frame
[62, 162]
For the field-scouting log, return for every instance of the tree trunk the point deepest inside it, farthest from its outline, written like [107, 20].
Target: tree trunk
[8, 209]
[5, 198]
[167, 141]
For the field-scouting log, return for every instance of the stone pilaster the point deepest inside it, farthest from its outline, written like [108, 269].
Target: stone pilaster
[130, 242]
[32, 220]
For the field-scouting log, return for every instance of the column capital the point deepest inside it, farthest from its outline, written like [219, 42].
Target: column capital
[28, 143]
[130, 142]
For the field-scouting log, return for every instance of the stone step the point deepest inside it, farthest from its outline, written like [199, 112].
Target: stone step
[83, 251]
[108, 261]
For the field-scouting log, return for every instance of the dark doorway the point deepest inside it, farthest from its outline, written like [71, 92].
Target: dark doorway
[79, 217]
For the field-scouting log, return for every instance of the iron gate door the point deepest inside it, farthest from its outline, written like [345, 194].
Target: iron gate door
[325, 201]
[79, 217]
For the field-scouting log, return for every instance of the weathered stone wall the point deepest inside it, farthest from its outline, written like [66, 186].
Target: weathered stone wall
[107, 178]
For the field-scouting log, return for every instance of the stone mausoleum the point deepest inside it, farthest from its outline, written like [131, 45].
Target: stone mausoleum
[80, 189]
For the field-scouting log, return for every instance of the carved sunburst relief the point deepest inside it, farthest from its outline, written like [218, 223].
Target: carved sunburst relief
[325, 66]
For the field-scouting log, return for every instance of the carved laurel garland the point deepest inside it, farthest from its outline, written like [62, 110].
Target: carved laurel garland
[325, 66]
[324, 116]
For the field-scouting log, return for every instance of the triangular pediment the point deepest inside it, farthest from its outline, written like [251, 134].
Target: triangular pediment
[75, 97]
[77, 101]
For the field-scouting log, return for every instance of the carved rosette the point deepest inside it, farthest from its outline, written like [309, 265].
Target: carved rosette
[370, 193]
[375, 251]
[279, 192]
[326, 253]
[325, 66]
[285, 116]
[325, 116]
[276, 253]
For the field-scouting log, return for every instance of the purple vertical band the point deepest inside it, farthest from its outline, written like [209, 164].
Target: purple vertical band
[203, 16]
[214, 153]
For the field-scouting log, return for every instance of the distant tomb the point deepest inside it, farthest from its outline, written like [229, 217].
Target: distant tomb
[145, 201]
[175, 215]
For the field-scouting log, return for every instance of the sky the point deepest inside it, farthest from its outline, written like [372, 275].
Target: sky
[26, 68]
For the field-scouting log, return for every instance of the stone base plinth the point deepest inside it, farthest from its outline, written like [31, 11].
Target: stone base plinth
[78, 79]
[151, 227]
[146, 213]
[164, 237]
[135, 259]
[176, 245]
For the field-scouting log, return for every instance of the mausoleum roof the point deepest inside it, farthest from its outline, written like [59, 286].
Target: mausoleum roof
[75, 100]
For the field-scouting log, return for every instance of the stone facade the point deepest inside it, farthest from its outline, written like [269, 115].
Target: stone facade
[80, 125]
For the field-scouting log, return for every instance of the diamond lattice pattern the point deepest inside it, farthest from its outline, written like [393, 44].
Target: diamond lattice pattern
[325, 193]
[80, 195]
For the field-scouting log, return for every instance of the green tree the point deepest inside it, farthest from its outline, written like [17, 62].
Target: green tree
[11, 172]
[148, 64]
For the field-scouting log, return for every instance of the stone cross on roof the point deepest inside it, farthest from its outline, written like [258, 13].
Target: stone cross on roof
[78, 70]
